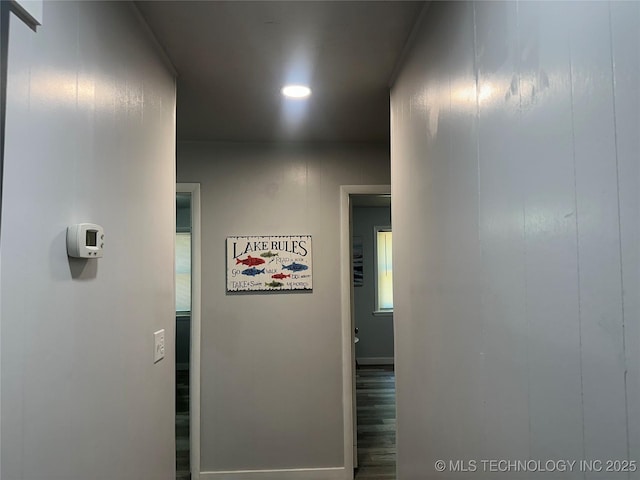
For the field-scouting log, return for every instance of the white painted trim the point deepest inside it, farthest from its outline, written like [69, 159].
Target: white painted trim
[346, 304]
[348, 352]
[29, 11]
[408, 45]
[336, 473]
[162, 53]
[382, 313]
[375, 360]
[196, 306]
[0, 358]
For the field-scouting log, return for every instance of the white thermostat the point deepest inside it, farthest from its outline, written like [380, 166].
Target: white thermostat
[85, 240]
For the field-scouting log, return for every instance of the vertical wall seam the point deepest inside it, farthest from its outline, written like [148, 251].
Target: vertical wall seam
[476, 74]
[518, 72]
[307, 210]
[23, 349]
[4, 53]
[577, 227]
[76, 160]
[615, 147]
[4, 56]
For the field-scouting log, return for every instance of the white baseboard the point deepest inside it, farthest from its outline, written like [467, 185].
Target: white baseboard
[375, 360]
[336, 473]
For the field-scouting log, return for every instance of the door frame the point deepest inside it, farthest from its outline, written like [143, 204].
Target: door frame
[347, 315]
[194, 356]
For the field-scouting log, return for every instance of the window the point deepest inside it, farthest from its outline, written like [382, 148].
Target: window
[384, 269]
[183, 272]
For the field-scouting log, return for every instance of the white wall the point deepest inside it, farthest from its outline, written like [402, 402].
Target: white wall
[90, 138]
[515, 181]
[272, 363]
[375, 331]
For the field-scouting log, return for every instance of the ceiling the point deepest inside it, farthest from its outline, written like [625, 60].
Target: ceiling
[233, 57]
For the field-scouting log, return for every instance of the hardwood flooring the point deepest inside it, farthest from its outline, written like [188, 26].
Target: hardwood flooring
[376, 411]
[182, 425]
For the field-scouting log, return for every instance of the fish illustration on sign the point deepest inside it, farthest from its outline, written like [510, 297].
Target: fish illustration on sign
[253, 271]
[249, 261]
[274, 284]
[295, 267]
[268, 254]
[280, 276]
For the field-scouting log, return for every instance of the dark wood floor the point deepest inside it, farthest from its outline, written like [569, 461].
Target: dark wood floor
[376, 408]
[182, 425]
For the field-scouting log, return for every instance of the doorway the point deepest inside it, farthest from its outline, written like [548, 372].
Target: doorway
[187, 340]
[368, 358]
[374, 374]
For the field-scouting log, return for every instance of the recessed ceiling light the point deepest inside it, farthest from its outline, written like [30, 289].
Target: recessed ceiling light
[296, 91]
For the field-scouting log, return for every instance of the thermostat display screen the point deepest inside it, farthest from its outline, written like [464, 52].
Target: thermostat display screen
[85, 240]
[92, 238]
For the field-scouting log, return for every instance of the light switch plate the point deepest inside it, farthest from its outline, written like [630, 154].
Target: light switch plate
[158, 345]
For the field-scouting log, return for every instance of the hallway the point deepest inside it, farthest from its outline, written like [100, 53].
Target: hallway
[376, 400]
[182, 425]
[508, 134]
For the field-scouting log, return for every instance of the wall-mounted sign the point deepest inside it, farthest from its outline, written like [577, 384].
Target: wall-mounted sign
[269, 263]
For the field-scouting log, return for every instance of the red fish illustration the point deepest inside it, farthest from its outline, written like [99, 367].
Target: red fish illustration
[250, 261]
[280, 276]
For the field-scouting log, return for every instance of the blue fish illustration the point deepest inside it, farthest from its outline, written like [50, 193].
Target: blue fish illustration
[253, 271]
[295, 267]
